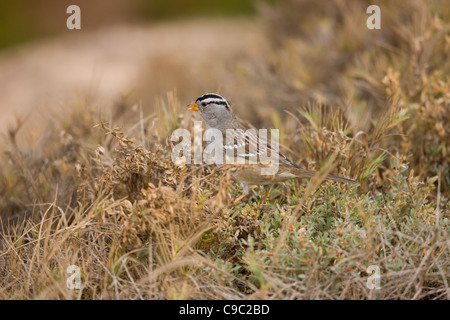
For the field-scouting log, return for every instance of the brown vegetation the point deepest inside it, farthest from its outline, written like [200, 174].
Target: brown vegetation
[370, 105]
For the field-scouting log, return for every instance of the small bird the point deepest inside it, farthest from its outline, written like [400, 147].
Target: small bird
[217, 113]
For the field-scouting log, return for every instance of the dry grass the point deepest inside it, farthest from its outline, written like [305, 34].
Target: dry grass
[375, 106]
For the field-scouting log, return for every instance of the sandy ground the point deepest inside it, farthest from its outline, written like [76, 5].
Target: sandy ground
[51, 73]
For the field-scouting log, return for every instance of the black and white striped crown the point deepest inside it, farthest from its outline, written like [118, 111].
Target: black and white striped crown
[215, 98]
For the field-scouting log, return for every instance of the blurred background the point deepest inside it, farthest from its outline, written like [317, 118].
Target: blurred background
[121, 45]
[25, 20]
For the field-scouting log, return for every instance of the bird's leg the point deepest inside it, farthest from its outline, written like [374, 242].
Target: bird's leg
[245, 192]
[242, 196]
[267, 188]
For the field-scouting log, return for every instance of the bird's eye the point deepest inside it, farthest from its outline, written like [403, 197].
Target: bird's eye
[204, 104]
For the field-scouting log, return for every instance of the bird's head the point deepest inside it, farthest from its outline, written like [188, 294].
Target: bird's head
[215, 110]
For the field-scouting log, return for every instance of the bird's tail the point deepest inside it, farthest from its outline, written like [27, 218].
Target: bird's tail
[303, 173]
[339, 179]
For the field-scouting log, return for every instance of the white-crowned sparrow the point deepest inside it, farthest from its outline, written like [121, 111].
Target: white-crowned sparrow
[217, 113]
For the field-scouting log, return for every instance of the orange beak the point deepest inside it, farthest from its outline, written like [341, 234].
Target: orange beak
[193, 107]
